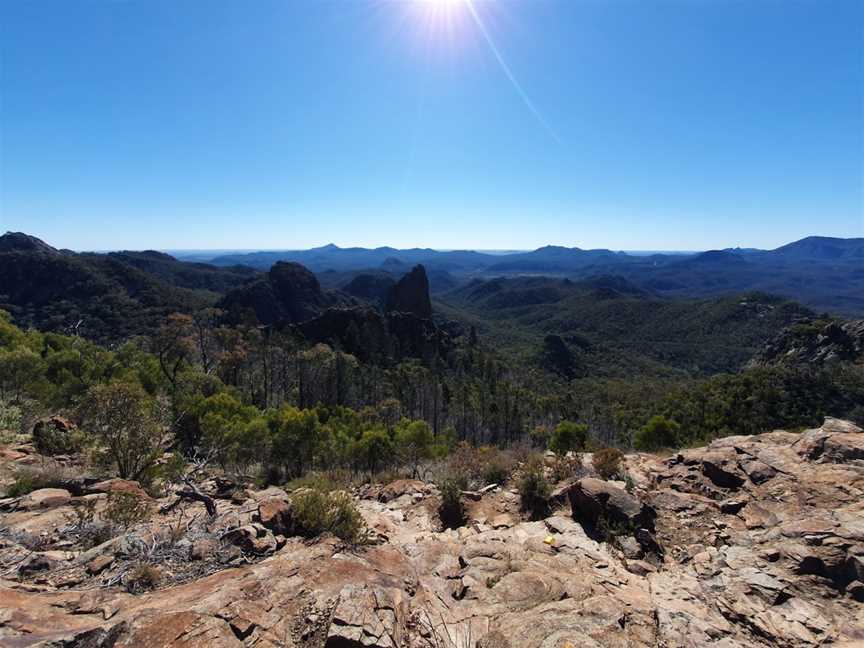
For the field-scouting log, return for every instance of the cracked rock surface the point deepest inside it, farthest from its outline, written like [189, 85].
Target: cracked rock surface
[759, 542]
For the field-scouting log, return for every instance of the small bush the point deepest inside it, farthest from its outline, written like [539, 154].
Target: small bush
[125, 509]
[568, 437]
[495, 466]
[539, 436]
[313, 480]
[57, 436]
[566, 467]
[83, 513]
[462, 463]
[657, 434]
[142, 578]
[29, 479]
[451, 510]
[534, 489]
[25, 482]
[318, 512]
[607, 462]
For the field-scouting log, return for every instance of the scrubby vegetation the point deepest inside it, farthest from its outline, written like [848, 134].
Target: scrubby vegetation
[607, 462]
[452, 510]
[534, 488]
[317, 512]
[272, 408]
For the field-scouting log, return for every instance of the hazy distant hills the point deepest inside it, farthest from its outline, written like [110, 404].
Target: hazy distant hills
[118, 294]
[821, 272]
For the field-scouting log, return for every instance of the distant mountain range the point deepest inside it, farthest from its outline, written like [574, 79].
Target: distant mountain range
[823, 273]
[578, 312]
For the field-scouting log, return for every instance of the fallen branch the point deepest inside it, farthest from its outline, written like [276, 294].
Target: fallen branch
[192, 493]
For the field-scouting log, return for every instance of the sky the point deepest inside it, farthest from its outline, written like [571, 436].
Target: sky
[485, 124]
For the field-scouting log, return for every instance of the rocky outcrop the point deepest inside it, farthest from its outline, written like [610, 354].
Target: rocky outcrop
[595, 500]
[815, 342]
[372, 336]
[411, 294]
[773, 554]
[289, 293]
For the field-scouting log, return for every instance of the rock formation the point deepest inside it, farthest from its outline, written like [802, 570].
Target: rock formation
[815, 342]
[762, 538]
[411, 294]
[288, 294]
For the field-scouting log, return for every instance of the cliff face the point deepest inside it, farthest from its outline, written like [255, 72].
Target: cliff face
[748, 542]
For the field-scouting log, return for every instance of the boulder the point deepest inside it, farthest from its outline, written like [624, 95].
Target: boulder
[277, 514]
[593, 500]
[721, 467]
[251, 539]
[45, 498]
[401, 487]
[118, 485]
[756, 471]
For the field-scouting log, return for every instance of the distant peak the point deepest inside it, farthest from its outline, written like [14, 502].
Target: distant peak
[556, 248]
[19, 241]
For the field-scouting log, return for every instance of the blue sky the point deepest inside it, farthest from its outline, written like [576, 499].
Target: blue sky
[628, 125]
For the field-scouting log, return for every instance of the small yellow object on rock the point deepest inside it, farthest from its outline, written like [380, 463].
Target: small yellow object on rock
[549, 540]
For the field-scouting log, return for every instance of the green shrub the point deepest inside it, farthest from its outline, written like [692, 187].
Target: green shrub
[607, 462]
[121, 415]
[125, 509]
[29, 479]
[414, 443]
[373, 449]
[25, 482]
[56, 436]
[451, 511]
[568, 437]
[317, 512]
[323, 481]
[539, 436]
[534, 489]
[658, 433]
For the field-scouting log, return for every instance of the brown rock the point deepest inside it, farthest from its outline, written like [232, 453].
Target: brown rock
[203, 548]
[99, 564]
[721, 467]
[592, 499]
[118, 485]
[757, 471]
[45, 498]
[276, 513]
[401, 487]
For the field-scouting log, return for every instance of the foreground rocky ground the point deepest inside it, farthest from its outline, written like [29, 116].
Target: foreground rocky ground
[751, 541]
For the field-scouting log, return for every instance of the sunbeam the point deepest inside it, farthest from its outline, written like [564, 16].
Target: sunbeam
[506, 69]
